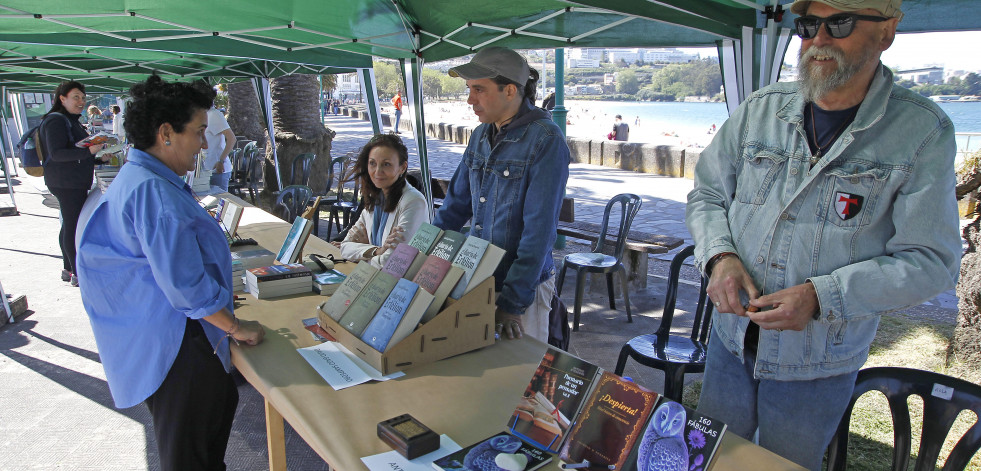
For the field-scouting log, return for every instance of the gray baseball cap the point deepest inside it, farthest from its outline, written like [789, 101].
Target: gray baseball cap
[493, 61]
[888, 8]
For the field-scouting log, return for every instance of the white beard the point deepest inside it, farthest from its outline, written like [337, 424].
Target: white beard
[814, 87]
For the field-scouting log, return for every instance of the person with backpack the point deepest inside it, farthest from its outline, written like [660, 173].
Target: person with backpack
[68, 170]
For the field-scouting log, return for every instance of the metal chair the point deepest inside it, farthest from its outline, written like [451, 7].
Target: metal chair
[304, 162]
[291, 202]
[943, 397]
[676, 355]
[598, 261]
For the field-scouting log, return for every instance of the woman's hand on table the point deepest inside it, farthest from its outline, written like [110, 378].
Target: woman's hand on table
[249, 332]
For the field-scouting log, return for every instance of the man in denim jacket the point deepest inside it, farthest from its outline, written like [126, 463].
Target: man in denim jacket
[820, 205]
[510, 185]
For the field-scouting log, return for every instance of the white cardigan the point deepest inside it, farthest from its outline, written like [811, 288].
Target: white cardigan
[410, 213]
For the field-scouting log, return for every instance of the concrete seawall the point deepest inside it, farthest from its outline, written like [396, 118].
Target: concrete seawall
[673, 161]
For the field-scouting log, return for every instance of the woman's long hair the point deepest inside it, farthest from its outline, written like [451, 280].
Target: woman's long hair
[372, 192]
[64, 88]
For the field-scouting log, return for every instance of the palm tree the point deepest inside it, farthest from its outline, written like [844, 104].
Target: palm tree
[244, 115]
[299, 130]
[966, 344]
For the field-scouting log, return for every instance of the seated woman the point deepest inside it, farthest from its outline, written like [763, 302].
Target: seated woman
[157, 285]
[393, 209]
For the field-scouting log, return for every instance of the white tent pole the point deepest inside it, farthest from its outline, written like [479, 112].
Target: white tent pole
[5, 129]
[730, 73]
[264, 94]
[746, 77]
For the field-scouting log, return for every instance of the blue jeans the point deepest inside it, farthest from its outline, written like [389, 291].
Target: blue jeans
[398, 117]
[221, 180]
[796, 419]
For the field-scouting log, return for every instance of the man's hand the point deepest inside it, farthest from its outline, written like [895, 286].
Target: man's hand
[792, 308]
[728, 278]
[220, 168]
[508, 324]
[249, 332]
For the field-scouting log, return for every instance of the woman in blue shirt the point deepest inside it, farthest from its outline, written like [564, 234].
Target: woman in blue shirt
[392, 208]
[157, 288]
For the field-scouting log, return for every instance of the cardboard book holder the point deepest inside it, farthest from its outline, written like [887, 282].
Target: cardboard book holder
[466, 324]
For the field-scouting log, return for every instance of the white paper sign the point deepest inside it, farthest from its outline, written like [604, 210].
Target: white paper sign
[339, 367]
[393, 461]
[943, 392]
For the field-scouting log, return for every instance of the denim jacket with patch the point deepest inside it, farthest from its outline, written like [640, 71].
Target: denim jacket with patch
[512, 188]
[873, 225]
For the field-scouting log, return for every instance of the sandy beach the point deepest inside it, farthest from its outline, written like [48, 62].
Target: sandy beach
[580, 122]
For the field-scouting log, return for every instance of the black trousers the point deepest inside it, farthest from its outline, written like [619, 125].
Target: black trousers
[70, 200]
[193, 409]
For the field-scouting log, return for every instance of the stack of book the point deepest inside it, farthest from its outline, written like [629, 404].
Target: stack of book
[595, 420]
[278, 280]
[382, 307]
[254, 258]
[326, 283]
[238, 276]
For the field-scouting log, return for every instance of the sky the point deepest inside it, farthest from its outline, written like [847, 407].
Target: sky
[953, 50]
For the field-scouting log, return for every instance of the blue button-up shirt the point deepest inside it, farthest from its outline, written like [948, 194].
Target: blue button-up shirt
[150, 258]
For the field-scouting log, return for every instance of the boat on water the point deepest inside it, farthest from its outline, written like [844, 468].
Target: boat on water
[955, 98]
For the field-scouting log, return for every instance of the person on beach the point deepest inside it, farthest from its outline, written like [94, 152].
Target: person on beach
[392, 209]
[820, 205]
[621, 130]
[157, 282]
[510, 184]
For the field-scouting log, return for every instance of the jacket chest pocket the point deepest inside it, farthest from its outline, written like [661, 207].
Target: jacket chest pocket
[757, 174]
[850, 196]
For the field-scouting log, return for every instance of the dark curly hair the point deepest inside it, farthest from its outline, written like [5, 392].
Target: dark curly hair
[64, 88]
[370, 191]
[155, 102]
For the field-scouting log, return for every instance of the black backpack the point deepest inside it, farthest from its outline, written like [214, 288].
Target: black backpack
[32, 155]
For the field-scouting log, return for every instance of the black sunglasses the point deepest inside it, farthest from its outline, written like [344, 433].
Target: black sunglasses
[839, 26]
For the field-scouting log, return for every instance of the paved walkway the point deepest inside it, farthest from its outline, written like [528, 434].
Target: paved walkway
[56, 411]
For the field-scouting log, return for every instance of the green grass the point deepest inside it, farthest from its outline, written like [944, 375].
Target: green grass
[910, 342]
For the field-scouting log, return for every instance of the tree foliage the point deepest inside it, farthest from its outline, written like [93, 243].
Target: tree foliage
[969, 85]
[627, 82]
[388, 78]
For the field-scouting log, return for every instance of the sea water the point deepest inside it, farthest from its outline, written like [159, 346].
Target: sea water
[697, 118]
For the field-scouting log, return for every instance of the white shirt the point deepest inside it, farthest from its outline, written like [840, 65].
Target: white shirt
[216, 140]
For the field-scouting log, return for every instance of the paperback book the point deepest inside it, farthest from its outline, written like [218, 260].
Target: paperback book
[502, 452]
[425, 237]
[382, 326]
[326, 283]
[676, 437]
[447, 246]
[297, 237]
[230, 216]
[552, 398]
[609, 424]
[348, 291]
[368, 302]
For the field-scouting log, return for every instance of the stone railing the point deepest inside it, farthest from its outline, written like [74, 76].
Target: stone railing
[673, 161]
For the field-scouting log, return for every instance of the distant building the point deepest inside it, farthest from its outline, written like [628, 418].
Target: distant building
[347, 85]
[585, 53]
[627, 55]
[609, 79]
[667, 56]
[930, 75]
[582, 63]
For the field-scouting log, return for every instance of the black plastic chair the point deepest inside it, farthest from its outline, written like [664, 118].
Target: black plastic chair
[300, 169]
[292, 201]
[676, 355]
[939, 414]
[598, 261]
[342, 208]
[253, 172]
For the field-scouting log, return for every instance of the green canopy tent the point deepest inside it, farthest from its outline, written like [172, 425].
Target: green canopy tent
[752, 35]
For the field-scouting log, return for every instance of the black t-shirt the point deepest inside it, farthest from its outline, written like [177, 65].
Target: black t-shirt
[824, 127]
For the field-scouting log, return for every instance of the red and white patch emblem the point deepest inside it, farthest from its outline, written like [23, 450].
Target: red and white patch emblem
[847, 205]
